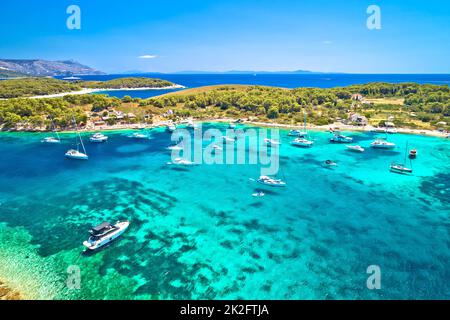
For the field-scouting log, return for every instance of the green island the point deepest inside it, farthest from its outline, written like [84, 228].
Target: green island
[29, 87]
[406, 105]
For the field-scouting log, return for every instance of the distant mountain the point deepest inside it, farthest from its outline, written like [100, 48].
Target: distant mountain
[248, 72]
[44, 68]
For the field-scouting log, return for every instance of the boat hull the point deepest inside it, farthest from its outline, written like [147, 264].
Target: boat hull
[92, 246]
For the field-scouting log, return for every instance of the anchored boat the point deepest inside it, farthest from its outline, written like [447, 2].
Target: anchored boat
[340, 138]
[98, 138]
[52, 140]
[301, 142]
[77, 154]
[382, 144]
[104, 233]
[271, 182]
[355, 148]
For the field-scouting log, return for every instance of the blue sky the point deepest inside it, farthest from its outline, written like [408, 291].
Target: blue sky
[318, 35]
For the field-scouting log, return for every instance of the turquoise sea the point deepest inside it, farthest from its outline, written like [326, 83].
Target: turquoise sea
[197, 232]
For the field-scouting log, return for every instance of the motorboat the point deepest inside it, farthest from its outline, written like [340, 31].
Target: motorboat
[355, 148]
[271, 142]
[301, 142]
[382, 144]
[98, 138]
[400, 168]
[271, 182]
[51, 140]
[105, 233]
[339, 138]
[76, 154]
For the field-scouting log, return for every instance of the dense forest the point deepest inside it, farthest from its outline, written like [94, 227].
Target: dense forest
[411, 105]
[429, 104]
[28, 87]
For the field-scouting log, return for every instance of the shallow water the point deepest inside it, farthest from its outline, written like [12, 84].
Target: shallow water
[197, 232]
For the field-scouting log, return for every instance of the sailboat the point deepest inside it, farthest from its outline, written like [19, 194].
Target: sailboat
[76, 154]
[301, 140]
[52, 139]
[401, 167]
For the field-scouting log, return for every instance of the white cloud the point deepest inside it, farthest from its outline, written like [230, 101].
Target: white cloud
[147, 56]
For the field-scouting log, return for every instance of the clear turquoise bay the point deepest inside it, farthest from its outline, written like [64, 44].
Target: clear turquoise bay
[197, 232]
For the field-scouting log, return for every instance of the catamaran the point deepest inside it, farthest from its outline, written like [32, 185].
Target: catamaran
[301, 142]
[355, 148]
[104, 233]
[340, 138]
[52, 139]
[271, 182]
[77, 154]
[382, 144]
[98, 138]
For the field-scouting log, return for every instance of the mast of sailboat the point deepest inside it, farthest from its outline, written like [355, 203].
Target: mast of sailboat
[79, 136]
[55, 130]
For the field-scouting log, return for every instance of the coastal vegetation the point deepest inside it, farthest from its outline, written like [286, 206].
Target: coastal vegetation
[28, 87]
[406, 105]
[121, 83]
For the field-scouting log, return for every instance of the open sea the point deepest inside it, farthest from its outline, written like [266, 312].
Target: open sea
[318, 80]
[198, 233]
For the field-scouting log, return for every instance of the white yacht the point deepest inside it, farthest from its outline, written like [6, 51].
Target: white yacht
[382, 144]
[355, 148]
[339, 138]
[98, 138]
[271, 182]
[103, 234]
[301, 142]
[50, 140]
